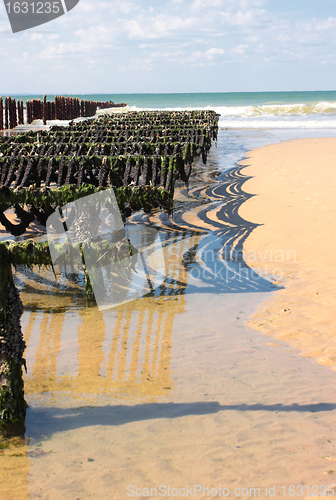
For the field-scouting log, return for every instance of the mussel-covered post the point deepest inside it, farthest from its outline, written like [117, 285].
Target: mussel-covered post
[12, 345]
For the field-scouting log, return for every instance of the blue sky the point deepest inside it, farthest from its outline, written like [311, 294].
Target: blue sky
[174, 46]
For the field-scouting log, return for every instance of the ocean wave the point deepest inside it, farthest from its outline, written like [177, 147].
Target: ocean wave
[322, 107]
[320, 115]
[278, 124]
[298, 109]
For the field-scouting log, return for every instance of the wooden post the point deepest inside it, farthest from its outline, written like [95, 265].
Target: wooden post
[14, 114]
[6, 114]
[12, 345]
[19, 112]
[44, 110]
[63, 108]
[1, 113]
[28, 112]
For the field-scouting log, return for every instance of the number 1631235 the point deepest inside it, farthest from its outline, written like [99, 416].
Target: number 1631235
[33, 7]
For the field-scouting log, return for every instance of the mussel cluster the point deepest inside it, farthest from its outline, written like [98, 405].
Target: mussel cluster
[12, 345]
[138, 154]
[141, 153]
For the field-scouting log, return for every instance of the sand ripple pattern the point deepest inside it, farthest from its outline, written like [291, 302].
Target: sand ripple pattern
[209, 210]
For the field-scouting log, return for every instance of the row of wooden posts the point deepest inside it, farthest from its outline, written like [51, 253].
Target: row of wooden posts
[11, 114]
[63, 108]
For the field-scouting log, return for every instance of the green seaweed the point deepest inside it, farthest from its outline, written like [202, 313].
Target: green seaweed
[12, 403]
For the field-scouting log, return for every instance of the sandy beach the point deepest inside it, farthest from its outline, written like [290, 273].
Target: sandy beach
[295, 187]
[184, 390]
[180, 389]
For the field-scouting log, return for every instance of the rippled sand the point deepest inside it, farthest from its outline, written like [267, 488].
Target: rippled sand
[239, 411]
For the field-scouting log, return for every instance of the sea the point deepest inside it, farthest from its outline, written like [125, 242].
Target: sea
[251, 110]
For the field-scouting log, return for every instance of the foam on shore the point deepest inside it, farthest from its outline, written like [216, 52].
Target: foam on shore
[295, 187]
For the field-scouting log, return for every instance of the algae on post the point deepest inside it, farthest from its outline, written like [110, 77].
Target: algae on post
[12, 345]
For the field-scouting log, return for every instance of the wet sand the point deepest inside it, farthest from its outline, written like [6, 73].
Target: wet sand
[295, 187]
[239, 412]
[176, 389]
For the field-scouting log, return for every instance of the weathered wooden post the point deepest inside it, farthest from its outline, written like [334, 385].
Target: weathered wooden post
[55, 103]
[63, 108]
[28, 110]
[13, 116]
[20, 112]
[10, 112]
[33, 110]
[44, 110]
[6, 114]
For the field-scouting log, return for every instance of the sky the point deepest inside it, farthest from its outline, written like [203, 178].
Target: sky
[146, 46]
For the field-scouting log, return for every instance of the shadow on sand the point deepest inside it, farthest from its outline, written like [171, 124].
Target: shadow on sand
[42, 423]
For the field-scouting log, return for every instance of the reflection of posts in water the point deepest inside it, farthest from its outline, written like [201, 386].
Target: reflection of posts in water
[44, 345]
[123, 352]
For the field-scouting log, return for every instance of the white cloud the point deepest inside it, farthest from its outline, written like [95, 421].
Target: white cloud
[158, 26]
[321, 25]
[240, 49]
[96, 34]
[209, 54]
[36, 37]
[199, 58]
[167, 55]
[144, 64]
[206, 4]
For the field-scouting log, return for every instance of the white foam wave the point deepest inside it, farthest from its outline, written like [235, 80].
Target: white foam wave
[278, 124]
[320, 115]
[322, 107]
